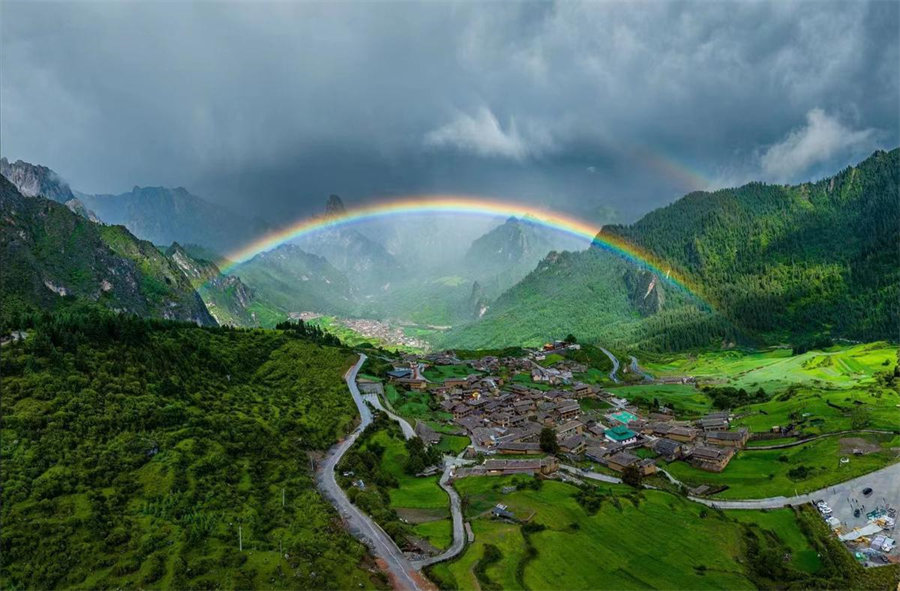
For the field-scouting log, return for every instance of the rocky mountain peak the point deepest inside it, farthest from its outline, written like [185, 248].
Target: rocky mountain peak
[334, 206]
[34, 180]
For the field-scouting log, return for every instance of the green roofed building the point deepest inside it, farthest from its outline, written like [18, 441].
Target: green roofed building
[621, 434]
[623, 417]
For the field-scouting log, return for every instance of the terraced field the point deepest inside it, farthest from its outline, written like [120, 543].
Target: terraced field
[775, 369]
[684, 399]
[649, 539]
[818, 392]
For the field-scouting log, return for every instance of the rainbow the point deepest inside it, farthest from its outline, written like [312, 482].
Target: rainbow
[466, 205]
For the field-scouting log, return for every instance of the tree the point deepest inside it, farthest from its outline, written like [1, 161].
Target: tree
[570, 338]
[859, 418]
[631, 476]
[548, 441]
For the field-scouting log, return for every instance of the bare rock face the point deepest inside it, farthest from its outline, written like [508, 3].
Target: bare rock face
[196, 270]
[36, 181]
[78, 208]
[646, 291]
[478, 301]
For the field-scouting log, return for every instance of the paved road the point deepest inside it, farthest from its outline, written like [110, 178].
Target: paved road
[635, 368]
[358, 523]
[808, 439]
[408, 431]
[615, 362]
[459, 534]
[589, 474]
[886, 479]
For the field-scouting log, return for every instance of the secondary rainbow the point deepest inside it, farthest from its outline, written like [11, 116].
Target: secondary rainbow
[465, 205]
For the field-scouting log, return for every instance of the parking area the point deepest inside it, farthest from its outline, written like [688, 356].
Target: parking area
[861, 511]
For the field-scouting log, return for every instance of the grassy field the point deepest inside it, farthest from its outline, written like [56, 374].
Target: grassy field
[453, 444]
[640, 540]
[413, 404]
[824, 411]
[683, 399]
[783, 523]
[505, 536]
[420, 496]
[593, 376]
[818, 392]
[766, 473]
[437, 373]
[776, 369]
[588, 404]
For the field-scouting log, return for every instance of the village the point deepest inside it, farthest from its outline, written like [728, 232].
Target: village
[504, 417]
[530, 414]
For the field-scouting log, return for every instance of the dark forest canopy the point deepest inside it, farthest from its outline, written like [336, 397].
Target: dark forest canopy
[133, 449]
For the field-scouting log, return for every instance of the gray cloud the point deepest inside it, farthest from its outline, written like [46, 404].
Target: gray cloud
[482, 134]
[816, 142]
[584, 106]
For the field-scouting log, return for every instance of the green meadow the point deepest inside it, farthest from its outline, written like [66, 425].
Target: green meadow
[683, 399]
[783, 523]
[421, 498]
[413, 404]
[505, 536]
[452, 444]
[636, 540]
[825, 411]
[438, 373]
[776, 369]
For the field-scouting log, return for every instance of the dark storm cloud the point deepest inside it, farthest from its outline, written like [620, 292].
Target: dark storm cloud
[272, 106]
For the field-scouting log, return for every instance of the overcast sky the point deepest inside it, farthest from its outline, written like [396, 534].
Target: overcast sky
[584, 107]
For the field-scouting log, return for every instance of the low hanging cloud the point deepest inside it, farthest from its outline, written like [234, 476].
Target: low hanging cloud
[482, 134]
[820, 141]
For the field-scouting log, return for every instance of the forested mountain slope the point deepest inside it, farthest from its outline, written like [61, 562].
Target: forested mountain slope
[290, 279]
[133, 450]
[776, 263]
[49, 253]
[230, 301]
[506, 254]
[598, 297]
[816, 258]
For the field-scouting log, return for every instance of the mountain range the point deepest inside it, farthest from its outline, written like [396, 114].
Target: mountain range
[771, 263]
[292, 280]
[352, 253]
[51, 255]
[164, 215]
[505, 255]
[767, 264]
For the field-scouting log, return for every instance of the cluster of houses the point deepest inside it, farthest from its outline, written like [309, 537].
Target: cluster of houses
[503, 417]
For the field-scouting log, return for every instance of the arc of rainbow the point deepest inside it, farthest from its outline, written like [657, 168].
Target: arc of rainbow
[443, 204]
